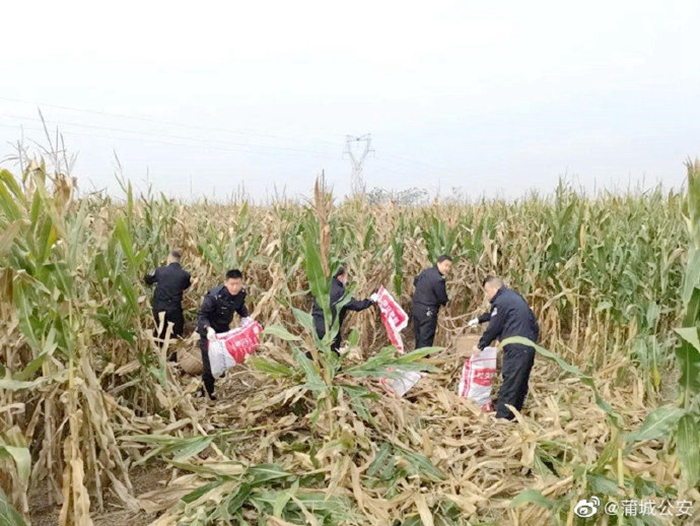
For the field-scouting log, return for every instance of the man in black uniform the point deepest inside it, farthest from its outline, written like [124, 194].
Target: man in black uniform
[340, 279]
[171, 281]
[216, 314]
[429, 296]
[510, 316]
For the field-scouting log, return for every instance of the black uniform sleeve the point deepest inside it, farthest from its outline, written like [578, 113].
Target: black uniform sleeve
[536, 330]
[150, 279]
[494, 329]
[243, 310]
[486, 316]
[358, 305]
[440, 290]
[207, 308]
[186, 282]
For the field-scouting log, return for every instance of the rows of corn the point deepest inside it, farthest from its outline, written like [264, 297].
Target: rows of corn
[86, 395]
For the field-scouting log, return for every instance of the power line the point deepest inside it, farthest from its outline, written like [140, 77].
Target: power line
[204, 143]
[249, 133]
[165, 122]
[412, 162]
[169, 136]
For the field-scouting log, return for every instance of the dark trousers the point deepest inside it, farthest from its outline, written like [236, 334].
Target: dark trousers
[424, 324]
[516, 367]
[321, 332]
[207, 377]
[174, 316]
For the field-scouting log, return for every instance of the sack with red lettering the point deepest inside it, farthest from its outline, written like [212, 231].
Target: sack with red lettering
[393, 316]
[477, 378]
[395, 320]
[230, 348]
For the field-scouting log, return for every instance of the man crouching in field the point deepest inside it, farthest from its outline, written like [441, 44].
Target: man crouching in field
[510, 316]
[215, 315]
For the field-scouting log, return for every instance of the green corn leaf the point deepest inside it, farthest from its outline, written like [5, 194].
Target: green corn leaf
[122, 234]
[21, 458]
[263, 473]
[601, 484]
[280, 332]
[657, 424]
[305, 319]
[219, 469]
[688, 358]
[9, 384]
[7, 238]
[380, 459]
[201, 491]
[235, 501]
[531, 496]
[8, 515]
[313, 379]
[271, 367]
[421, 465]
[180, 448]
[13, 195]
[353, 338]
[688, 449]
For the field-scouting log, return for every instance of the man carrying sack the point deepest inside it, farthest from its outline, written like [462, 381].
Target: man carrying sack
[510, 315]
[215, 315]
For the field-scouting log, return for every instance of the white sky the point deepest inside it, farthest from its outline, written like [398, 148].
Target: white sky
[493, 99]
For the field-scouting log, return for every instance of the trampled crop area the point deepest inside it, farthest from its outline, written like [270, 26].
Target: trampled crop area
[88, 401]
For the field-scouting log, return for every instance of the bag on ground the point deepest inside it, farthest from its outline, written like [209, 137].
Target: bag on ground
[477, 377]
[230, 348]
[400, 386]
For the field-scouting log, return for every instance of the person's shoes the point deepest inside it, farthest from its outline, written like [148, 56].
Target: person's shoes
[203, 394]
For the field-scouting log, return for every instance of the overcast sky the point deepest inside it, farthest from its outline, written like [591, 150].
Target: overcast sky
[493, 98]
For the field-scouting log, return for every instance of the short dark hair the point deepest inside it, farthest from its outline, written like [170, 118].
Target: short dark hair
[339, 272]
[176, 255]
[234, 274]
[444, 257]
[493, 280]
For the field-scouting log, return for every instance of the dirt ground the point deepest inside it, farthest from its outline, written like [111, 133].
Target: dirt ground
[143, 479]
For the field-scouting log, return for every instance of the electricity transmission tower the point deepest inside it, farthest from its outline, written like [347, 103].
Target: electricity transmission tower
[357, 159]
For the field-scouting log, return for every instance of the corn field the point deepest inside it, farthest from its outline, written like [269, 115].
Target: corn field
[88, 400]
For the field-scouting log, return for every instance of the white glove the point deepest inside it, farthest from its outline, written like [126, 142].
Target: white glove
[374, 298]
[211, 333]
[473, 322]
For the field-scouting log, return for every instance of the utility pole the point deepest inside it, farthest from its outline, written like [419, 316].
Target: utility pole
[357, 159]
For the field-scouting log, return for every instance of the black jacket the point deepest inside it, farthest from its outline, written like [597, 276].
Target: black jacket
[217, 309]
[510, 316]
[337, 294]
[170, 281]
[430, 288]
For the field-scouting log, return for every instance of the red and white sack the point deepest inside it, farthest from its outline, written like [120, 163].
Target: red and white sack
[230, 348]
[394, 317]
[395, 320]
[477, 377]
